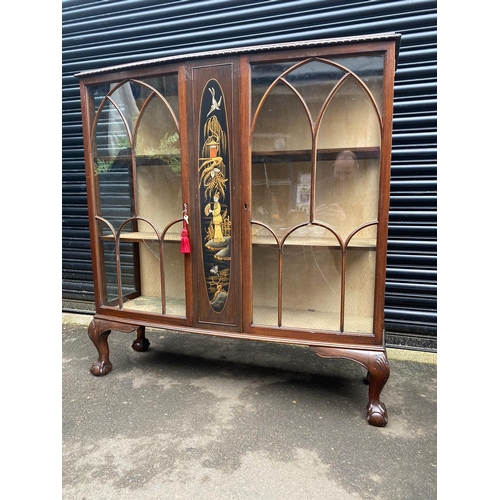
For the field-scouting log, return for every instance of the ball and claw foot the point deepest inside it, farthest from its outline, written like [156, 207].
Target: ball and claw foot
[100, 368]
[99, 330]
[376, 415]
[140, 344]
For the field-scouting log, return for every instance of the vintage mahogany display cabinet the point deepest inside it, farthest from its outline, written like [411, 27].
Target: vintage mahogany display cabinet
[244, 193]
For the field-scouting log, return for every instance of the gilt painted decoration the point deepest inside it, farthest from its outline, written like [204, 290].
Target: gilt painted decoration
[215, 194]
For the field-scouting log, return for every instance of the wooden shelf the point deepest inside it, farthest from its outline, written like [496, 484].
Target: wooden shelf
[305, 155]
[143, 236]
[363, 243]
[292, 318]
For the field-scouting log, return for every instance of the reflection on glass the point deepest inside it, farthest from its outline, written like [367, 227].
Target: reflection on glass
[347, 192]
[263, 75]
[281, 194]
[370, 70]
[276, 131]
[314, 82]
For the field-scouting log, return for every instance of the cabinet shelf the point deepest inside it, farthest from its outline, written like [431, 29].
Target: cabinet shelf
[361, 243]
[139, 236]
[144, 160]
[305, 155]
[265, 316]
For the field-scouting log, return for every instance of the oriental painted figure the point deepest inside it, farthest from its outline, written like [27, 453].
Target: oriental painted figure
[214, 194]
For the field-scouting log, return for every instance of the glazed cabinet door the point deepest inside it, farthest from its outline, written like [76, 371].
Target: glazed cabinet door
[138, 195]
[316, 126]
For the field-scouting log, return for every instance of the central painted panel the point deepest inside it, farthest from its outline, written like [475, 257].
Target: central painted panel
[214, 194]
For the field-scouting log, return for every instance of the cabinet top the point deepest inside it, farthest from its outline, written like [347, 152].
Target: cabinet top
[249, 49]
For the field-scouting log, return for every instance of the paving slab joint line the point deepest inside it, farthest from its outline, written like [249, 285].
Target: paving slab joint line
[392, 354]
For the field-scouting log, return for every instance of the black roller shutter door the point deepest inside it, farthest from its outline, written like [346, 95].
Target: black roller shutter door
[101, 33]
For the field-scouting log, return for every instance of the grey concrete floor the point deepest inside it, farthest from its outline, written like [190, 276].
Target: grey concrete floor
[197, 417]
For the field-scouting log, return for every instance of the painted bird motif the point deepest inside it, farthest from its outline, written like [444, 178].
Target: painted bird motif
[215, 104]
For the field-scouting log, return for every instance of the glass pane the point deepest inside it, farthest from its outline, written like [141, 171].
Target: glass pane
[174, 273]
[370, 69]
[166, 86]
[126, 100]
[100, 93]
[360, 285]
[281, 176]
[314, 81]
[282, 123]
[111, 137]
[351, 119]
[265, 277]
[281, 193]
[116, 203]
[150, 297]
[263, 75]
[311, 280]
[347, 170]
[150, 285]
[110, 289]
[347, 192]
[128, 255]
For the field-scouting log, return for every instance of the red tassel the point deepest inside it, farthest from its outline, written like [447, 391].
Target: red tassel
[185, 246]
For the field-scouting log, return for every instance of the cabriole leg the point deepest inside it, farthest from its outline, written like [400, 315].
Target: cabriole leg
[379, 371]
[99, 336]
[99, 330]
[377, 364]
